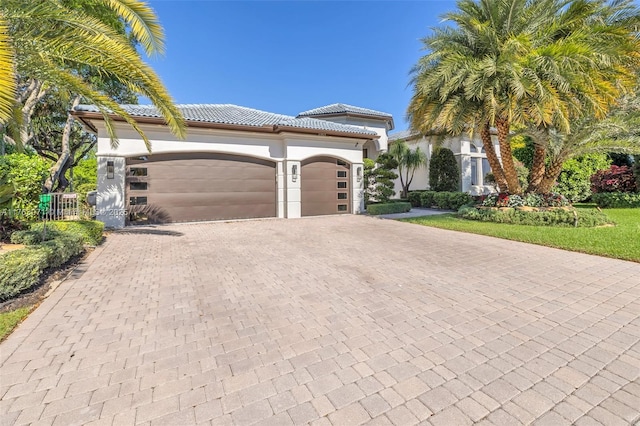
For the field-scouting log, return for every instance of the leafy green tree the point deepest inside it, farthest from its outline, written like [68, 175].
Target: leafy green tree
[538, 64]
[409, 160]
[378, 178]
[53, 43]
[444, 173]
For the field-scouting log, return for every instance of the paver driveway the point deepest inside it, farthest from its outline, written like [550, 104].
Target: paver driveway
[338, 320]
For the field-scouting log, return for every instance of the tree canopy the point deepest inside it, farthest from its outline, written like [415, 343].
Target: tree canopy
[540, 64]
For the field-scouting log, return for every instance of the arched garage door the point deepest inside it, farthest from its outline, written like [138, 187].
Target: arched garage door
[200, 186]
[325, 186]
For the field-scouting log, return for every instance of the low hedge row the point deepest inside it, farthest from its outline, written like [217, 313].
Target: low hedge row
[90, 230]
[616, 199]
[388, 208]
[556, 217]
[441, 200]
[21, 269]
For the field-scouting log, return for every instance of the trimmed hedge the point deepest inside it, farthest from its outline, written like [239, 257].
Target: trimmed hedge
[21, 269]
[414, 198]
[388, 208]
[441, 200]
[90, 230]
[616, 199]
[555, 217]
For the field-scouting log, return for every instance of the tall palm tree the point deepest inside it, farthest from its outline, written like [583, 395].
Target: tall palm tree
[45, 43]
[517, 62]
[409, 160]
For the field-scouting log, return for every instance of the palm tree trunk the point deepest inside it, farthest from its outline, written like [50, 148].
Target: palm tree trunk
[508, 166]
[550, 177]
[492, 157]
[537, 168]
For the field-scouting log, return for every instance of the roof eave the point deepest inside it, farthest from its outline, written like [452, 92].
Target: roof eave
[86, 116]
[386, 118]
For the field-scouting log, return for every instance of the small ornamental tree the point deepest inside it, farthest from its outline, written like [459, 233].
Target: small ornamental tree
[444, 174]
[408, 160]
[378, 178]
[614, 179]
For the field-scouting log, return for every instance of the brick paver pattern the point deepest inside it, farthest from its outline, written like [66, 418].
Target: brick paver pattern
[331, 320]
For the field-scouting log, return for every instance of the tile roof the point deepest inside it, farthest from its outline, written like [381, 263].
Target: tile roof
[237, 115]
[344, 109]
[404, 134]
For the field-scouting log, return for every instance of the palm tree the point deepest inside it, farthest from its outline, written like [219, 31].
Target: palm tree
[7, 80]
[409, 161]
[519, 62]
[75, 39]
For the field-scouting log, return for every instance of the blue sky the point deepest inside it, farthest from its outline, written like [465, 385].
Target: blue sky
[290, 56]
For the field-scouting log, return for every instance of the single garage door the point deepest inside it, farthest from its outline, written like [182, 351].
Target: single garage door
[200, 186]
[325, 186]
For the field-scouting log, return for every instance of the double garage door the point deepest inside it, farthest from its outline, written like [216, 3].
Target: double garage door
[208, 186]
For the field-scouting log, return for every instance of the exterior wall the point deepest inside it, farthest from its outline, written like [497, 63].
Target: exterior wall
[285, 149]
[110, 202]
[377, 125]
[467, 151]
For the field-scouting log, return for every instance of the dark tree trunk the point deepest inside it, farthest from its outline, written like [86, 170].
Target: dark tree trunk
[508, 166]
[550, 177]
[536, 175]
[492, 157]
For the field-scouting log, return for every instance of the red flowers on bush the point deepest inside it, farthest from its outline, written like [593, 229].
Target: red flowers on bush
[615, 179]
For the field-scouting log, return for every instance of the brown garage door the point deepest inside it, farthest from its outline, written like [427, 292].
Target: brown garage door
[325, 186]
[200, 186]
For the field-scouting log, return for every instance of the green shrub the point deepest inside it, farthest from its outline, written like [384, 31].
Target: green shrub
[426, 198]
[20, 270]
[27, 173]
[555, 217]
[444, 174]
[616, 199]
[574, 181]
[90, 230]
[415, 198]
[451, 200]
[61, 248]
[459, 199]
[388, 208]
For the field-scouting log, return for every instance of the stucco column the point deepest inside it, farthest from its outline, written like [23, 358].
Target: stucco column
[293, 176]
[479, 172]
[357, 188]
[465, 172]
[281, 201]
[110, 202]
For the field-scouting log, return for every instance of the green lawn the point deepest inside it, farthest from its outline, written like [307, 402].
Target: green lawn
[9, 320]
[621, 241]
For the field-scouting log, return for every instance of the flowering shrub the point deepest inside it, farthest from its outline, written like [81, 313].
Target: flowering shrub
[490, 200]
[533, 200]
[615, 179]
[554, 200]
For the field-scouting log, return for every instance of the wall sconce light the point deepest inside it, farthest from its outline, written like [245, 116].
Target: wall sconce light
[294, 172]
[110, 169]
[359, 173]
